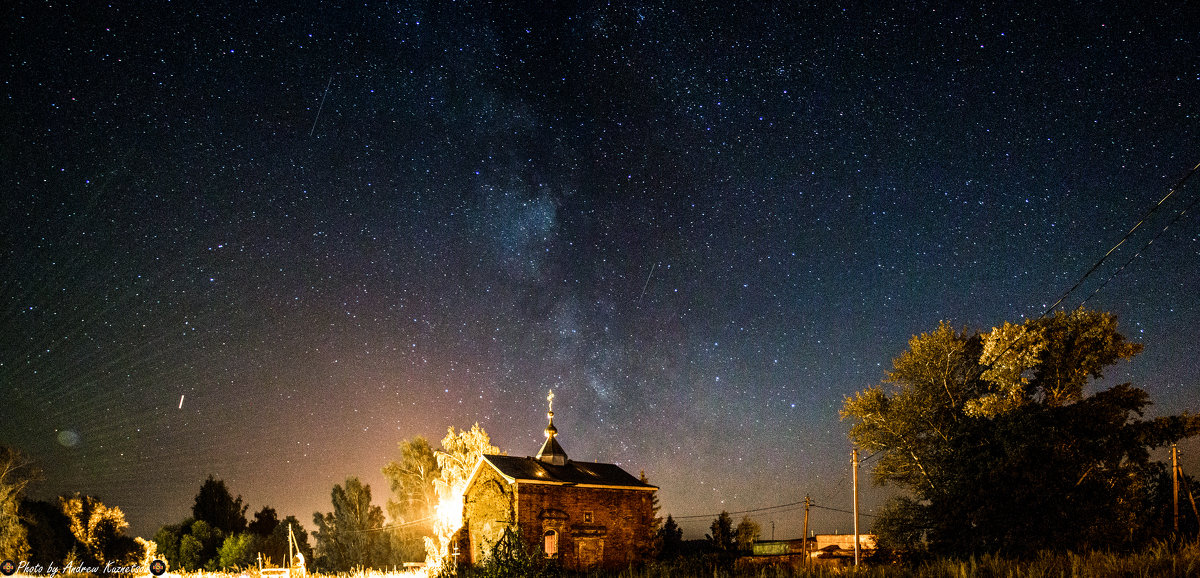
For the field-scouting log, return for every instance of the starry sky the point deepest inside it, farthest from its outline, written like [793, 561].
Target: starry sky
[268, 241]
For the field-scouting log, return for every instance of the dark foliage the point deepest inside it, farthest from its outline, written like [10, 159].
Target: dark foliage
[670, 537]
[216, 506]
[1001, 449]
[48, 532]
[349, 536]
[510, 558]
[265, 521]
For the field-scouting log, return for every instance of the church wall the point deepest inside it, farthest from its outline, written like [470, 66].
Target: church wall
[487, 510]
[617, 535]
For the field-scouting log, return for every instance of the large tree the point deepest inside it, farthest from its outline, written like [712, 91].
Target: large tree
[670, 538]
[99, 529]
[215, 505]
[461, 450]
[414, 500]
[351, 535]
[720, 536]
[746, 534]
[999, 446]
[16, 472]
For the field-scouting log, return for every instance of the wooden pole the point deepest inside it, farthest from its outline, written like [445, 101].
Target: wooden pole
[854, 458]
[1186, 485]
[1175, 483]
[804, 544]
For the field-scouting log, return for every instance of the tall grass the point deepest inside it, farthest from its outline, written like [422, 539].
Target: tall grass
[1161, 559]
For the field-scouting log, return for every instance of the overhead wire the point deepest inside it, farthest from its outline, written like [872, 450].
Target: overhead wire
[1161, 232]
[792, 505]
[1178, 185]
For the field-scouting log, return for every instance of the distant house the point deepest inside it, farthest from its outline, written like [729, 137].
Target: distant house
[839, 548]
[824, 549]
[584, 514]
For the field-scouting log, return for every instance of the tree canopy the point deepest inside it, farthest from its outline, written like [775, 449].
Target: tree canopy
[670, 538]
[411, 479]
[721, 536]
[349, 536]
[16, 472]
[461, 450]
[413, 501]
[215, 505]
[1000, 447]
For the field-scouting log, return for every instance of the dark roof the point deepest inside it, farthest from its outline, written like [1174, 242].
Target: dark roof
[533, 470]
[552, 450]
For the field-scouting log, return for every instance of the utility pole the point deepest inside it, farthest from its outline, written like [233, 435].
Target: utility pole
[804, 544]
[1175, 482]
[854, 460]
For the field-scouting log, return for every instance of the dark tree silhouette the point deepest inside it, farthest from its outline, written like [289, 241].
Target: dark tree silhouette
[264, 522]
[1001, 448]
[670, 537]
[215, 505]
[720, 536]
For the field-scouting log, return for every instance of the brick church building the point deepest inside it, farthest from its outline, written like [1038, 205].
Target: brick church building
[584, 514]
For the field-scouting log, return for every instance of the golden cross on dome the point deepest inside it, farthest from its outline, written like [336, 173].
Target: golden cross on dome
[550, 398]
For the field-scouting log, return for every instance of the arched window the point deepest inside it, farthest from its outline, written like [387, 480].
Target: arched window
[551, 544]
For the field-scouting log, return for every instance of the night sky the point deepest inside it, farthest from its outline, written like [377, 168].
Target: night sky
[327, 228]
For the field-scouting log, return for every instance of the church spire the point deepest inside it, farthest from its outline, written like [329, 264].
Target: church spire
[551, 452]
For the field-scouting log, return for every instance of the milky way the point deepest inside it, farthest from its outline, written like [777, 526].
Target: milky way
[268, 243]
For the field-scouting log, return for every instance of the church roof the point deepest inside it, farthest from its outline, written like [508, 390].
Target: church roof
[552, 451]
[572, 473]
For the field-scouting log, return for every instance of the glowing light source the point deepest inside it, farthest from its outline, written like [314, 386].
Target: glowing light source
[449, 511]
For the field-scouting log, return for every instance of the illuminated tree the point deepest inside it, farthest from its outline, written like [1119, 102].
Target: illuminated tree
[16, 471]
[168, 542]
[202, 542]
[1000, 447]
[190, 553]
[413, 504]
[238, 551]
[99, 529]
[460, 452]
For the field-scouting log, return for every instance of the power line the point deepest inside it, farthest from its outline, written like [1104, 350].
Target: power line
[842, 511]
[1178, 216]
[696, 516]
[391, 526]
[754, 510]
[1140, 222]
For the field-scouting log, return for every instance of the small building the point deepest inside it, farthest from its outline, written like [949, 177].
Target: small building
[583, 514]
[827, 542]
[778, 547]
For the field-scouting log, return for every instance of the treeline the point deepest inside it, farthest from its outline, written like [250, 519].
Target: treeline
[75, 530]
[356, 534]
[218, 536]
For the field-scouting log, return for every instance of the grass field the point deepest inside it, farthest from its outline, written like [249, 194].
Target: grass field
[1160, 560]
